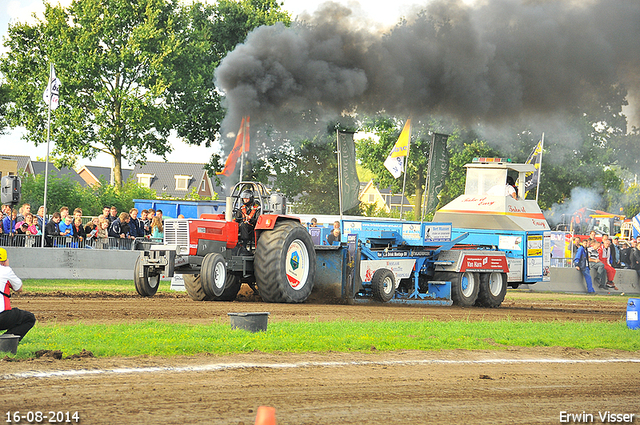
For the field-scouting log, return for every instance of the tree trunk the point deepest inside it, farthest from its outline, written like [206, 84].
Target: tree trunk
[117, 167]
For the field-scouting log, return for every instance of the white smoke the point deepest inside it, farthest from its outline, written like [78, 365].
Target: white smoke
[580, 198]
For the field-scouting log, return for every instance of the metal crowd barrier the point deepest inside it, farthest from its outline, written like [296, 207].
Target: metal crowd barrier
[562, 262]
[35, 241]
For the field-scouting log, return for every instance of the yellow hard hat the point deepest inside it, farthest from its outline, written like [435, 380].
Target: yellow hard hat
[3, 254]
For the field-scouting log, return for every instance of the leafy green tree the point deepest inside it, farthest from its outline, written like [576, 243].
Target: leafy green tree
[596, 158]
[121, 198]
[589, 150]
[216, 29]
[365, 174]
[304, 168]
[111, 58]
[460, 155]
[194, 196]
[631, 200]
[305, 172]
[131, 71]
[62, 191]
[4, 103]
[372, 152]
[625, 149]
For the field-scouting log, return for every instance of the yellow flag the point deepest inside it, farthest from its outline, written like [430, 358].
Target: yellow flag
[401, 148]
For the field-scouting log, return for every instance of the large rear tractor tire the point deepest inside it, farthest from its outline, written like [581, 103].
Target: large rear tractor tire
[383, 285]
[493, 288]
[193, 285]
[464, 288]
[213, 274]
[285, 263]
[146, 284]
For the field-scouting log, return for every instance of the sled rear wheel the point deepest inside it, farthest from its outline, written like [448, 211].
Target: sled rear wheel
[493, 288]
[383, 285]
[464, 288]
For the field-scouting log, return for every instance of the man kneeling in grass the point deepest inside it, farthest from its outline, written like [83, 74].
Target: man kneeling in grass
[15, 321]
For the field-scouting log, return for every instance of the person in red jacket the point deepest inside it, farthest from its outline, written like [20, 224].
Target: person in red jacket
[15, 321]
[604, 255]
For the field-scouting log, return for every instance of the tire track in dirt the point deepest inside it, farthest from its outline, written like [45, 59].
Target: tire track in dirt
[70, 373]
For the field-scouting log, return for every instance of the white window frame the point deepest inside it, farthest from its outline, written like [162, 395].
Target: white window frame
[145, 179]
[182, 182]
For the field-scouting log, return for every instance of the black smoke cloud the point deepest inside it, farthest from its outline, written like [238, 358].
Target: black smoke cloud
[495, 61]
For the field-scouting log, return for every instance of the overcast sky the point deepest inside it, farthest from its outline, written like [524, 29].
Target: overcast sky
[21, 11]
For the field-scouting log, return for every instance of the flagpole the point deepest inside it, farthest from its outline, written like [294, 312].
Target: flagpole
[339, 171]
[244, 137]
[539, 168]
[406, 166]
[241, 164]
[46, 162]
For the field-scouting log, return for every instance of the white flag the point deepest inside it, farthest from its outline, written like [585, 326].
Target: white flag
[395, 165]
[395, 160]
[50, 95]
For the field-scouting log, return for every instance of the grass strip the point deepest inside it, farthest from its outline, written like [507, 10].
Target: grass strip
[86, 285]
[161, 339]
[529, 296]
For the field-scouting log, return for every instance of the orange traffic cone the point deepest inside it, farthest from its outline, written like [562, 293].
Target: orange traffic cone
[266, 416]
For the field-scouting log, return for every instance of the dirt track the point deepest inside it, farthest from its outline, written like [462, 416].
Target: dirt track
[177, 307]
[513, 386]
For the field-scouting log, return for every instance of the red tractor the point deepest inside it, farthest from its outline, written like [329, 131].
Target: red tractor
[279, 259]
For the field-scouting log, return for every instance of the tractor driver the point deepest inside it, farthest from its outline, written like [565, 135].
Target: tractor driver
[247, 216]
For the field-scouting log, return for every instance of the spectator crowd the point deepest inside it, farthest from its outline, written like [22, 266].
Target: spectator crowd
[22, 228]
[605, 256]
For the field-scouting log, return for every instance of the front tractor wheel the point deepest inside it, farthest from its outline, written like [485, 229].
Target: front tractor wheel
[383, 285]
[213, 275]
[146, 283]
[464, 288]
[285, 263]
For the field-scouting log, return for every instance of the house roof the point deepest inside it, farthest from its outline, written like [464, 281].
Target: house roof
[39, 168]
[105, 173]
[24, 162]
[394, 198]
[391, 199]
[164, 173]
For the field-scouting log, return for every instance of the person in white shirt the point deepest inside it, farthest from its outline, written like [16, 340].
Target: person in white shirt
[15, 321]
[504, 190]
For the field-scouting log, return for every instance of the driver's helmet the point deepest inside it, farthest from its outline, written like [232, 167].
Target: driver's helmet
[247, 194]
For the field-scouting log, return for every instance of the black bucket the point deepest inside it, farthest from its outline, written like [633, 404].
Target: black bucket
[252, 322]
[9, 343]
